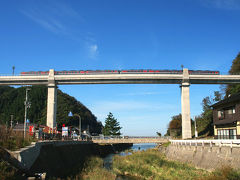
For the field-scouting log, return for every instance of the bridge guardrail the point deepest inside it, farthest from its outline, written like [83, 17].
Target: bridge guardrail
[126, 137]
[211, 143]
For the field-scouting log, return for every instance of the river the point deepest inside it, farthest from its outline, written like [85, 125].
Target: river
[136, 147]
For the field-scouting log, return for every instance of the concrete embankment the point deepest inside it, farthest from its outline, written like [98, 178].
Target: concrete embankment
[204, 157]
[62, 158]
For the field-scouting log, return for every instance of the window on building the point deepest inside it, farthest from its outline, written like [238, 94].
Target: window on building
[231, 134]
[221, 114]
[227, 134]
[231, 110]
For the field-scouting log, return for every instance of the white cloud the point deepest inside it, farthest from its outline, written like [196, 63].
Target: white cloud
[48, 23]
[59, 18]
[53, 16]
[222, 4]
[93, 51]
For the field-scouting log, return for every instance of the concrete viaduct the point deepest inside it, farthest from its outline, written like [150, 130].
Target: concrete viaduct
[184, 80]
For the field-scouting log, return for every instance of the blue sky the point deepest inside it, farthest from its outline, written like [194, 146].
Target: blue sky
[122, 34]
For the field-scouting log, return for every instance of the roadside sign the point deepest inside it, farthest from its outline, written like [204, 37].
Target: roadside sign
[31, 130]
[70, 114]
[64, 131]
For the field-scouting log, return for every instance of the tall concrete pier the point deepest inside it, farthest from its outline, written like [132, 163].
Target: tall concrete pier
[185, 103]
[52, 100]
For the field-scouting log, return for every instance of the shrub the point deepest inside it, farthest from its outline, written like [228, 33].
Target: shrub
[13, 140]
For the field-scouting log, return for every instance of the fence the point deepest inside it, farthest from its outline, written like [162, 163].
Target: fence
[209, 143]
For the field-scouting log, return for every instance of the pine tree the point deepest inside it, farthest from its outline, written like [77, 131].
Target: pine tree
[112, 126]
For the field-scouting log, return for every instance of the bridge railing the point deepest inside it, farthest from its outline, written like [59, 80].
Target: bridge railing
[10, 74]
[203, 143]
[126, 137]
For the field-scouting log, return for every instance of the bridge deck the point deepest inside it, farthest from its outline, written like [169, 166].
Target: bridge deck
[119, 79]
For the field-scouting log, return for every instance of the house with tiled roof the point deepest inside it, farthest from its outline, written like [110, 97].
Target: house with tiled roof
[226, 118]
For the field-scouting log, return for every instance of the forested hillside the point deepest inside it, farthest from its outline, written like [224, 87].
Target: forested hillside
[12, 103]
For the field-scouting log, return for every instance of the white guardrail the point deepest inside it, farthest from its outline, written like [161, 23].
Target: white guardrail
[211, 143]
[129, 139]
[126, 137]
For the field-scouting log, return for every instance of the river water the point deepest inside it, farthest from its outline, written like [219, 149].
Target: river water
[107, 161]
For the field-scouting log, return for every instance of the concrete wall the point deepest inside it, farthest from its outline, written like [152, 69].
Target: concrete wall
[28, 155]
[204, 157]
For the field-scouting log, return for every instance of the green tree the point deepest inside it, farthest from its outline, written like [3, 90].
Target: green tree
[205, 120]
[175, 126]
[235, 69]
[112, 126]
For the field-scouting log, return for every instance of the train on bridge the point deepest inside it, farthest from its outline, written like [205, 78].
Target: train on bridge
[140, 71]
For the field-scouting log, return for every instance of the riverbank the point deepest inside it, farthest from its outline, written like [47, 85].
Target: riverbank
[59, 159]
[81, 163]
[151, 164]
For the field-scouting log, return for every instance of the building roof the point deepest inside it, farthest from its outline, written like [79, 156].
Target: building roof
[20, 126]
[232, 98]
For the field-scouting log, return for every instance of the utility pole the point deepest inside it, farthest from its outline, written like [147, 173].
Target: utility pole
[195, 125]
[27, 105]
[11, 122]
[13, 68]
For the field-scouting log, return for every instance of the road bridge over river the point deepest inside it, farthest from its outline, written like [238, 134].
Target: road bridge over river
[134, 140]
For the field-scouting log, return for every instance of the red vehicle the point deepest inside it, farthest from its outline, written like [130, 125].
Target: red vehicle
[132, 71]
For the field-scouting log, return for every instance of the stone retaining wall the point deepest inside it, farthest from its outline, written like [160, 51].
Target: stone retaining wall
[204, 157]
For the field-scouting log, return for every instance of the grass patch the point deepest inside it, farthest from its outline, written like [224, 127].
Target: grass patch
[224, 173]
[94, 170]
[166, 144]
[7, 172]
[152, 165]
